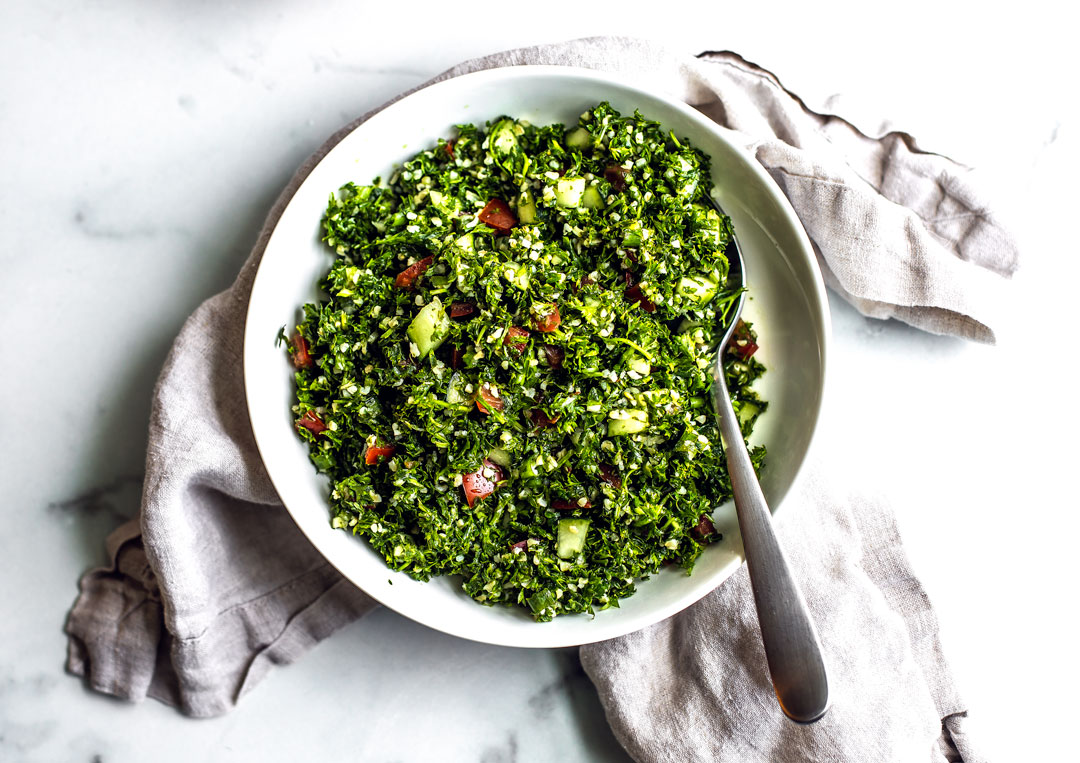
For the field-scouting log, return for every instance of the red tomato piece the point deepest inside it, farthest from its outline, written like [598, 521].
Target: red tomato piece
[742, 343]
[634, 294]
[461, 309]
[554, 355]
[549, 321]
[704, 529]
[615, 174]
[540, 419]
[302, 357]
[407, 277]
[610, 476]
[450, 148]
[481, 483]
[487, 400]
[521, 544]
[745, 348]
[497, 214]
[311, 422]
[517, 338]
[375, 453]
[561, 505]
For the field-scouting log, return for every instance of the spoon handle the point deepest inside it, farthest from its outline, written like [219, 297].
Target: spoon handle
[791, 643]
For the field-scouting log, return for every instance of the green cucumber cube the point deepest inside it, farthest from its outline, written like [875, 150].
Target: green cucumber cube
[579, 137]
[526, 208]
[429, 328]
[568, 191]
[571, 539]
[624, 421]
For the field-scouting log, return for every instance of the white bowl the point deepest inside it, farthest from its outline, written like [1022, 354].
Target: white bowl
[788, 307]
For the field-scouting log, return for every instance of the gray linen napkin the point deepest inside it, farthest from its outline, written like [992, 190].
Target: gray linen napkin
[695, 687]
[213, 583]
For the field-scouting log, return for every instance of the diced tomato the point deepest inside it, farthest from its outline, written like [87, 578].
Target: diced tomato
[302, 357]
[553, 354]
[745, 348]
[549, 321]
[311, 422]
[461, 309]
[561, 505]
[742, 343]
[610, 476]
[407, 277]
[376, 452]
[455, 357]
[634, 294]
[540, 419]
[449, 146]
[487, 400]
[516, 338]
[615, 175]
[703, 530]
[523, 545]
[481, 483]
[497, 214]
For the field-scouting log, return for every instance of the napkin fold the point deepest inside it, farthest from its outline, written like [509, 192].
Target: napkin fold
[213, 583]
[695, 687]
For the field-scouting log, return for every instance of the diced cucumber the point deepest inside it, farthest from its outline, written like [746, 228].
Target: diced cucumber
[500, 457]
[641, 365]
[591, 198]
[624, 421]
[517, 274]
[699, 288]
[526, 209]
[455, 391]
[502, 138]
[504, 149]
[632, 236]
[568, 191]
[465, 243]
[571, 541]
[429, 328]
[747, 411]
[579, 137]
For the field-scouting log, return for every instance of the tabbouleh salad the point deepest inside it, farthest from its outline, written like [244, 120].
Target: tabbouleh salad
[508, 379]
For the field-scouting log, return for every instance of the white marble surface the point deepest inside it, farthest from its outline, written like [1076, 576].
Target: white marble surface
[140, 146]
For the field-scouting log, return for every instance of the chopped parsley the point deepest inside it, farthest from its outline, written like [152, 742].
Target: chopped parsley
[508, 379]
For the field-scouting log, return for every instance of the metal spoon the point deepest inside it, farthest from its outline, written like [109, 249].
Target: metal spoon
[791, 642]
